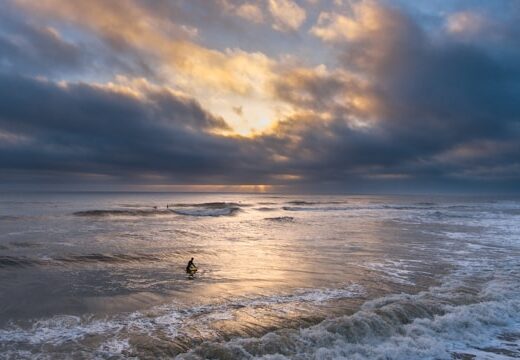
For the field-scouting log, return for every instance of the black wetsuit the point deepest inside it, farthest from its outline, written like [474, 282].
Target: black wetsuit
[190, 264]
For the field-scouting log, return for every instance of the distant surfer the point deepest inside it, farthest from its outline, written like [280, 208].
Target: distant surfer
[191, 268]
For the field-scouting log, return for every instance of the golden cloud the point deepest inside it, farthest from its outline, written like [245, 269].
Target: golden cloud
[219, 79]
[288, 16]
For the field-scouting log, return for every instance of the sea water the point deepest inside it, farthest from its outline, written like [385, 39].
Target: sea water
[102, 275]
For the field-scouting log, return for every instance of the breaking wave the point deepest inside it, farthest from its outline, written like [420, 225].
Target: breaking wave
[264, 208]
[169, 320]
[280, 219]
[453, 321]
[207, 209]
[320, 208]
[231, 208]
[211, 205]
[133, 212]
[201, 209]
[303, 202]
[456, 322]
[226, 211]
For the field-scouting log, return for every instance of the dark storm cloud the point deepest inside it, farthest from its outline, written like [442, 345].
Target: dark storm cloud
[83, 128]
[33, 49]
[436, 96]
[31, 46]
[406, 105]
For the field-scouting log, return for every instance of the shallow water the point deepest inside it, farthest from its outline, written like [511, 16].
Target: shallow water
[101, 275]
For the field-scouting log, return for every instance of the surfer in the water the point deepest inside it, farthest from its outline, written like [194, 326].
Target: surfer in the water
[191, 268]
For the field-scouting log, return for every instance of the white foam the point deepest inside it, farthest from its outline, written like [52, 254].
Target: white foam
[403, 327]
[313, 296]
[168, 319]
[205, 211]
[113, 347]
[58, 330]
[394, 271]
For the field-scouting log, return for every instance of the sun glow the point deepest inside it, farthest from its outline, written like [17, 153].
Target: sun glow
[220, 80]
[246, 188]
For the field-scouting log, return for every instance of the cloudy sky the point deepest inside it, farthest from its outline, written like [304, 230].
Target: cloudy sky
[299, 95]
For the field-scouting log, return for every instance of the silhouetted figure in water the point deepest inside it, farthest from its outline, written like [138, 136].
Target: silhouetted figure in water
[191, 268]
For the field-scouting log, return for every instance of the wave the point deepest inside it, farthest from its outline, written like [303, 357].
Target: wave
[356, 207]
[169, 320]
[230, 208]
[409, 207]
[212, 209]
[108, 258]
[459, 320]
[210, 205]
[315, 296]
[511, 211]
[116, 212]
[14, 261]
[395, 271]
[303, 202]
[226, 211]
[23, 261]
[436, 324]
[24, 244]
[425, 203]
[280, 219]
[328, 208]
[265, 209]
[10, 217]
[201, 209]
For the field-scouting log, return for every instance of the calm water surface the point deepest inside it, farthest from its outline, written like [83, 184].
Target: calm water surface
[101, 275]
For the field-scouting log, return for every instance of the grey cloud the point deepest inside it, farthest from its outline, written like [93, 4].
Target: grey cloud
[447, 113]
[433, 94]
[81, 128]
[34, 49]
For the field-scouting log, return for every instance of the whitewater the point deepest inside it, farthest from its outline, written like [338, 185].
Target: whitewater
[101, 276]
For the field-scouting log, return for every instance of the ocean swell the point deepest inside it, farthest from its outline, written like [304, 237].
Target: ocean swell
[212, 209]
[169, 322]
[117, 212]
[24, 261]
[200, 209]
[280, 219]
[226, 211]
[438, 324]
[210, 205]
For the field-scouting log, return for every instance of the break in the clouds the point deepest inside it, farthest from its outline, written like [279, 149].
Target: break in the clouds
[314, 95]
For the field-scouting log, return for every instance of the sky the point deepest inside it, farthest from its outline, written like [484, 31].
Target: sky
[269, 95]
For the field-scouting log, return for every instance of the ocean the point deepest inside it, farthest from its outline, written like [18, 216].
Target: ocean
[102, 276]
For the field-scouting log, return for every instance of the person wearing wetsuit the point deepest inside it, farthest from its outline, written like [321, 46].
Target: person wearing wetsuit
[189, 269]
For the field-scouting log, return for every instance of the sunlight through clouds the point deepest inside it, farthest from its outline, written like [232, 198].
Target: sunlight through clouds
[272, 91]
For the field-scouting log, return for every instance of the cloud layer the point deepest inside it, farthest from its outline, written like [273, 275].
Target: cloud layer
[350, 96]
